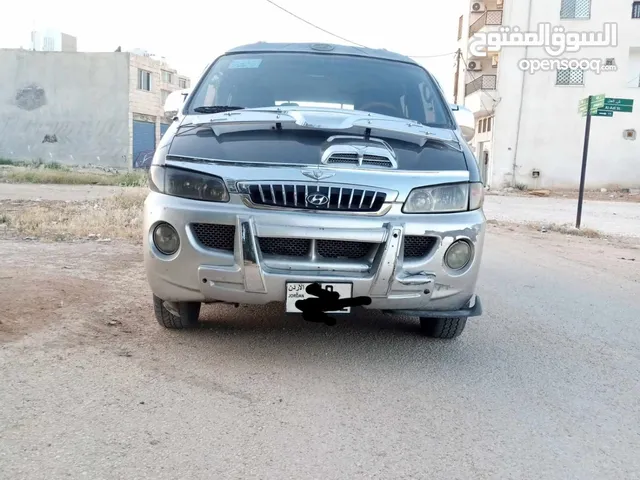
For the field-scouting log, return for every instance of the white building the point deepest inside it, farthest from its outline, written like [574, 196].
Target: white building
[52, 40]
[529, 130]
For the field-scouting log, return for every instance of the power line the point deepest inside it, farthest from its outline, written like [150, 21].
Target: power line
[314, 25]
[343, 38]
[635, 79]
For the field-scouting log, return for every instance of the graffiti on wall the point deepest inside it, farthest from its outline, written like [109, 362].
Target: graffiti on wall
[31, 97]
[143, 159]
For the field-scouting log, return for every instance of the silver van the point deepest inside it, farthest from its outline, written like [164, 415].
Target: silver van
[314, 171]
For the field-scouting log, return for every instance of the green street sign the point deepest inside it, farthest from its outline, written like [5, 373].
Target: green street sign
[623, 102]
[618, 108]
[603, 113]
[597, 102]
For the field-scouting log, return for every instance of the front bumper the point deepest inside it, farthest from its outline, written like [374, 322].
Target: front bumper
[244, 275]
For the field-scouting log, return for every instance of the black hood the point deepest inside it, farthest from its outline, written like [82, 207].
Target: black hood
[302, 147]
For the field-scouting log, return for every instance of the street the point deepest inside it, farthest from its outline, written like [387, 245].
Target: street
[543, 385]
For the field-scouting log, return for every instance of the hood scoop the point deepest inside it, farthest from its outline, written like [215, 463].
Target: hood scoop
[359, 151]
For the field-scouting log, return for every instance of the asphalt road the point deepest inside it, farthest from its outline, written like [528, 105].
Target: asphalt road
[543, 386]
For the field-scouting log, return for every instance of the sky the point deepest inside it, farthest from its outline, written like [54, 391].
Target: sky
[193, 34]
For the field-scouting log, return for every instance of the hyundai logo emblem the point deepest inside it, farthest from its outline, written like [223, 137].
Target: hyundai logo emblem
[317, 199]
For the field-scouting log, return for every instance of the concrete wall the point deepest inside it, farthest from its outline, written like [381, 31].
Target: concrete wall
[68, 107]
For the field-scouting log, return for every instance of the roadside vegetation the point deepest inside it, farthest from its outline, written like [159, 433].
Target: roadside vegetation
[117, 217]
[56, 173]
[564, 229]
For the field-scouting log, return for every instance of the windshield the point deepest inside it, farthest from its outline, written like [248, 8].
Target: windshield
[319, 80]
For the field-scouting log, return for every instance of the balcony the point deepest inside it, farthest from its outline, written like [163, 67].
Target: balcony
[490, 18]
[480, 95]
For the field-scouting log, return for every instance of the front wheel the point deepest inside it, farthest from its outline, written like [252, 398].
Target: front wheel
[178, 316]
[446, 328]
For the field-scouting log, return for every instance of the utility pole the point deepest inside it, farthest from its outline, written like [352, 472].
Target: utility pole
[585, 153]
[457, 76]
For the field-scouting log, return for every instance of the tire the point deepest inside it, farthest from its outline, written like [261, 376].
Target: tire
[188, 318]
[446, 328]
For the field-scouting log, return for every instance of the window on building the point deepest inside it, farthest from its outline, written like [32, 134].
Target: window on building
[144, 80]
[48, 44]
[182, 83]
[570, 77]
[165, 95]
[635, 12]
[167, 77]
[484, 125]
[574, 9]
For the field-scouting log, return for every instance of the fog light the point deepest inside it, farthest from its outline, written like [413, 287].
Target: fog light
[458, 255]
[166, 239]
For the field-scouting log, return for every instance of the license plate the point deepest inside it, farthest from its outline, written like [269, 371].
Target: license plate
[298, 291]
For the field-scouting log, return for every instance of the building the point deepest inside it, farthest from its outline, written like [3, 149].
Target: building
[151, 81]
[81, 108]
[52, 40]
[529, 130]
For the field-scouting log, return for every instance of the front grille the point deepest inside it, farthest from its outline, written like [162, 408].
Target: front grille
[336, 198]
[212, 235]
[343, 249]
[418, 246]
[352, 159]
[298, 247]
[294, 247]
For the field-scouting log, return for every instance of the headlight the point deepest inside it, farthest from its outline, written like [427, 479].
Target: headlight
[458, 197]
[166, 239]
[458, 255]
[187, 184]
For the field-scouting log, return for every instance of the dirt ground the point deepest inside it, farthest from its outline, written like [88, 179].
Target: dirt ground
[594, 195]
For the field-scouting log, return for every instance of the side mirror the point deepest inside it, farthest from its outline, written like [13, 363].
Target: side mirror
[466, 121]
[174, 101]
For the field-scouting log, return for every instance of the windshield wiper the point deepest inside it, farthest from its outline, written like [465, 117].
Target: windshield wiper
[216, 109]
